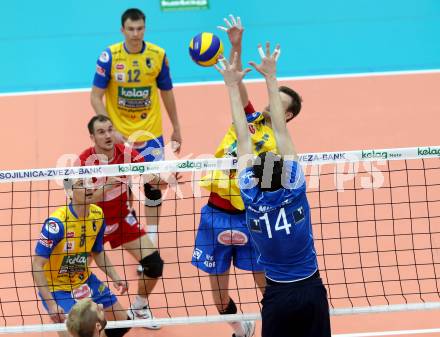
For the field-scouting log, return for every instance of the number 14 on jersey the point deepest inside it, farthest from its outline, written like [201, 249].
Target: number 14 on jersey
[281, 221]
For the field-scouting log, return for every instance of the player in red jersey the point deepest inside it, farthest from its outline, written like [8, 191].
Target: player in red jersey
[123, 228]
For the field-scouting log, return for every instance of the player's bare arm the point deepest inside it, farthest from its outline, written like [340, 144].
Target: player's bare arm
[267, 68]
[234, 28]
[232, 76]
[170, 106]
[96, 99]
[56, 313]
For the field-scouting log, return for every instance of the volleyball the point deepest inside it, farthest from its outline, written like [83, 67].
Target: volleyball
[205, 48]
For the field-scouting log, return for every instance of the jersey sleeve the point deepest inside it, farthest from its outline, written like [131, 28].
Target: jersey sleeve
[89, 158]
[98, 246]
[51, 234]
[163, 80]
[82, 158]
[103, 69]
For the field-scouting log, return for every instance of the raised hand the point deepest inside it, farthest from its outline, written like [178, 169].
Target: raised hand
[230, 72]
[267, 67]
[234, 29]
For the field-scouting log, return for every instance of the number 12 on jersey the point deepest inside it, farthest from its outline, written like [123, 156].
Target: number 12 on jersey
[281, 223]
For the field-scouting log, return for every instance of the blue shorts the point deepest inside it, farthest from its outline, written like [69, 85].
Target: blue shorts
[223, 238]
[152, 150]
[93, 288]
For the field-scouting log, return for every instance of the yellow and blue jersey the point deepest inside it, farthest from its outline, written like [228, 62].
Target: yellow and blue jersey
[225, 183]
[280, 225]
[67, 241]
[132, 82]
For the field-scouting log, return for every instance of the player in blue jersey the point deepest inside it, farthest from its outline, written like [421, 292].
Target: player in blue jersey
[278, 215]
[223, 238]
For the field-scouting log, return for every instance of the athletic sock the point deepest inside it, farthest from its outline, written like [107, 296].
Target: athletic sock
[231, 309]
[140, 302]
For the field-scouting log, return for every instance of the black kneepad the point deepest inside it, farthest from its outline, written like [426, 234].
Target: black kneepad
[153, 196]
[152, 265]
[118, 332]
[231, 309]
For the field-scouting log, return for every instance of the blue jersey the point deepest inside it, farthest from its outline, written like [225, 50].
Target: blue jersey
[280, 226]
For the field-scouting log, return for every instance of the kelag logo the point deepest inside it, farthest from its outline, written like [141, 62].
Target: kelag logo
[194, 165]
[141, 92]
[131, 168]
[379, 154]
[428, 151]
[374, 154]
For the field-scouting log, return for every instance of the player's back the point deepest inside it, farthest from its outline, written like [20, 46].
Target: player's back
[280, 225]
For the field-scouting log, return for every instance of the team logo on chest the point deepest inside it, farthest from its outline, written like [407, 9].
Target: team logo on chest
[298, 214]
[148, 62]
[254, 225]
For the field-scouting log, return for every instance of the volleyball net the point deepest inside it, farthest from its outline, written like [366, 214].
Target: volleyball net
[375, 216]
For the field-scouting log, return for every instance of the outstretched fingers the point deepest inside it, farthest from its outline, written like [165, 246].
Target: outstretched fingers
[239, 25]
[267, 49]
[221, 64]
[260, 51]
[277, 51]
[253, 64]
[230, 23]
[266, 54]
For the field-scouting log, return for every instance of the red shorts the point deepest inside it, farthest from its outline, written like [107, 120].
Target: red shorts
[125, 231]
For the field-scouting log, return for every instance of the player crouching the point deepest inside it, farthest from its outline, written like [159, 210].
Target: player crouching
[68, 238]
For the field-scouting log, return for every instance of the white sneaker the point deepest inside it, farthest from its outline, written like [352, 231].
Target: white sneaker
[143, 313]
[248, 327]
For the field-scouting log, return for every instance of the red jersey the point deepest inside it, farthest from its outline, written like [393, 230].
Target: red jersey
[115, 204]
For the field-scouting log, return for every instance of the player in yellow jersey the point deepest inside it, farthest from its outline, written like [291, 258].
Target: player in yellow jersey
[223, 236]
[69, 237]
[131, 75]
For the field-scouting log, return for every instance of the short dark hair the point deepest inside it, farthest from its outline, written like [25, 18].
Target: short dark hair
[94, 119]
[133, 14]
[269, 166]
[295, 106]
